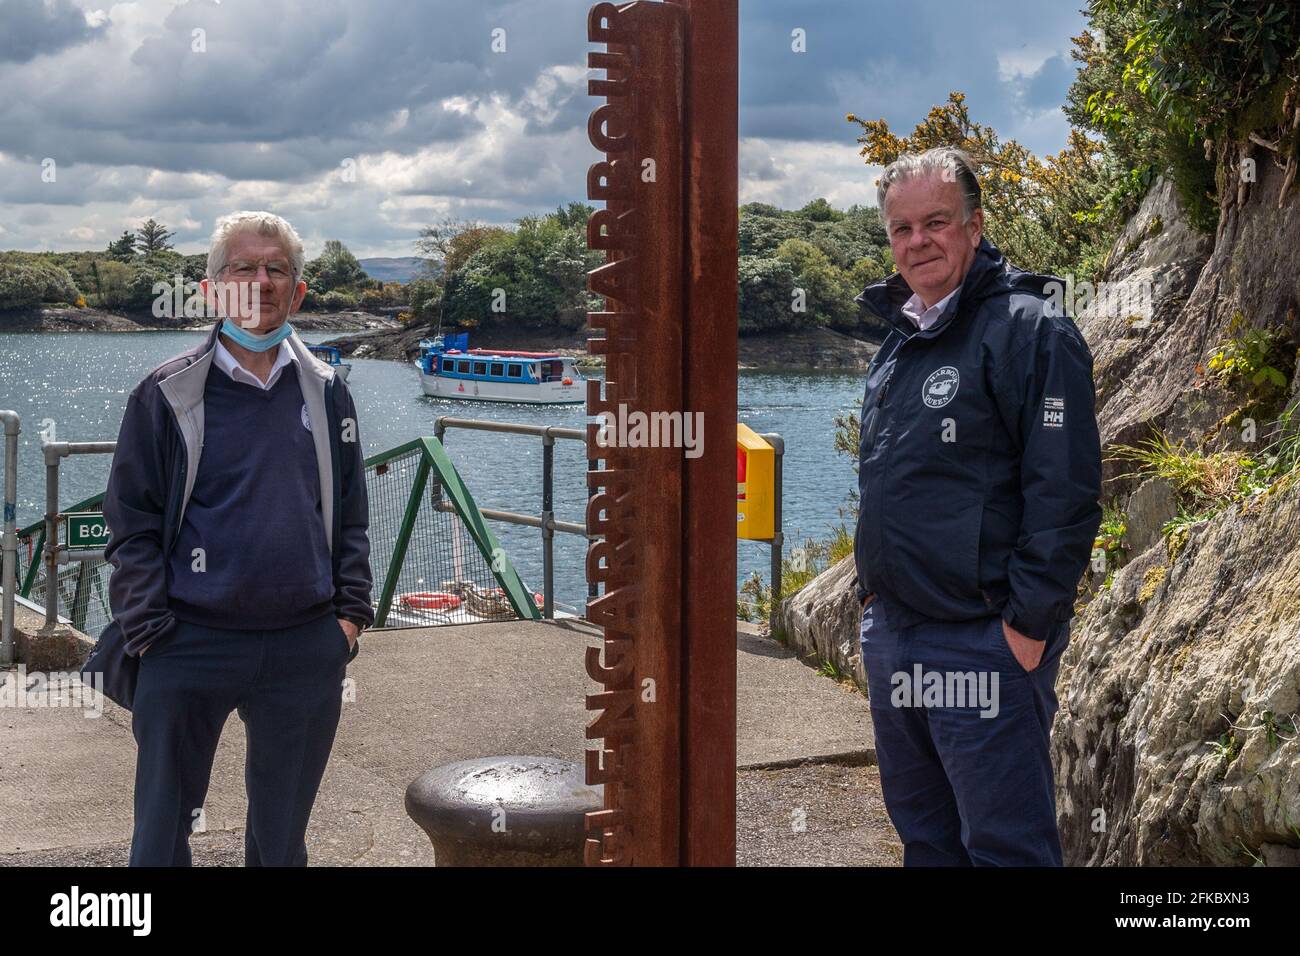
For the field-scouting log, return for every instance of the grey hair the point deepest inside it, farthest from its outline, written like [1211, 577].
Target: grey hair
[953, 164]
[262, 223]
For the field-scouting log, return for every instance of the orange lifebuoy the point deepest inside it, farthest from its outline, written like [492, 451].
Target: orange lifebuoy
[429, 600]
[567, 381]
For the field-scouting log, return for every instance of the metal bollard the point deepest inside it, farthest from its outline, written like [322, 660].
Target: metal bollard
[504, 811]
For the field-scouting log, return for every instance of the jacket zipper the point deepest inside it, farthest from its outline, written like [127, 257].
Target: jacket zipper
[884, 391]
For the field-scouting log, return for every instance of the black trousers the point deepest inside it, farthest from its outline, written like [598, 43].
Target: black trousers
[287, 687]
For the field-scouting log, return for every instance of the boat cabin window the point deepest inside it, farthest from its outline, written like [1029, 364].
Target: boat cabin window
[498, 368]
[514, 370]
[480, 368]
[462, 368]
[551, 371]
[448, 365]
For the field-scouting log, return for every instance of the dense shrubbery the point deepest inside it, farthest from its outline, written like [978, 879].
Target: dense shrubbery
[1173, 86]
[93, 279]
[798, 269]
[534, 274]
[28, 280]
[802, 268]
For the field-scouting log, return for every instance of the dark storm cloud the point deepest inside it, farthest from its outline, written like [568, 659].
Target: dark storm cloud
[894, 59]
[438, 119]
[30, 28]
[320, 80]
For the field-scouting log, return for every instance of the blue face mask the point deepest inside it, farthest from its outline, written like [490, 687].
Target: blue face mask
[256, 343]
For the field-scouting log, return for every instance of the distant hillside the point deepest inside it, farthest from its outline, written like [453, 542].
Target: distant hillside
[402, 270]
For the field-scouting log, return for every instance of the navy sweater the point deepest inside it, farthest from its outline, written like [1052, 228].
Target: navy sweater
[255, 512]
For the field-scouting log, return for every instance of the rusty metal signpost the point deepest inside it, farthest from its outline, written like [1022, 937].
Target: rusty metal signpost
[664, 551]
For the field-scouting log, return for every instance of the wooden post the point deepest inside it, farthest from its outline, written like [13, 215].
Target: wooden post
[709, 550]
[666, 557]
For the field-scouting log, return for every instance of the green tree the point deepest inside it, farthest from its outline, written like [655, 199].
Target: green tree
[153, 237]
[335, 268]
[123, 248]
[819, 210]
[535, 274]
[864, 272]
[828, 292]
[766, 290]
[111, 281]
[425, 297]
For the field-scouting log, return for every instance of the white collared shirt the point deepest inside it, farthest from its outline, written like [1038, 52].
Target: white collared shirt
[914, 309]
[230, 365]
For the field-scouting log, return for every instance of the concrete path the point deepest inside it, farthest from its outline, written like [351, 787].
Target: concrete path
[424, 697]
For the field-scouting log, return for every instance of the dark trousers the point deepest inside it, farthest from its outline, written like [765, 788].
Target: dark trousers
[286, 685]
[963, 789]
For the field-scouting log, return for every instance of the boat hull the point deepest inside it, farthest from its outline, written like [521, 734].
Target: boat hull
[546, 393]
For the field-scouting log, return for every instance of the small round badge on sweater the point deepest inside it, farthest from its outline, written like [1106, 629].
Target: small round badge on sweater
[306, 419]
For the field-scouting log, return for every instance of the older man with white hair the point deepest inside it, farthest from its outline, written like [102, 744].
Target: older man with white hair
[979, 474]
[238, 510]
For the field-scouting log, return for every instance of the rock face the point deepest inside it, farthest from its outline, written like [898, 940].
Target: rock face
[807, 348]
[1176, 741]
[1150, 507]
[1145, 346]
[822, 619]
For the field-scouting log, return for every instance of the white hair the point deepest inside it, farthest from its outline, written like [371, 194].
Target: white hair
[951, 163]
[262, 223]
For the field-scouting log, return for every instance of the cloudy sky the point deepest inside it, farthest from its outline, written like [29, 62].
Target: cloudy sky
[186, 110]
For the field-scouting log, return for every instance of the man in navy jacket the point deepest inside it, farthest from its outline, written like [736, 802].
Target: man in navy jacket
[979, 477]
[238, 509]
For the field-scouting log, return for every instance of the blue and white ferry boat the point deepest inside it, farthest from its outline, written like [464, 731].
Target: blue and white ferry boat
[449, 368]
[332, 357]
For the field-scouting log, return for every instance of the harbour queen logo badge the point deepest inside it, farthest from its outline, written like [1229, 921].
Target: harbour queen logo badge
[940, 386]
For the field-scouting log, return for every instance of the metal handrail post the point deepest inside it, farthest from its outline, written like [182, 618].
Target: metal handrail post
[51, 550]
[9, 552]
[548, 531]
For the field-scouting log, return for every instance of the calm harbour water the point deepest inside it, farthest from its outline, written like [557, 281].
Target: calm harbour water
[77, 384]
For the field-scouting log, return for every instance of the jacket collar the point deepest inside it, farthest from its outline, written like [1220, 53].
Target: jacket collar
[184, 388]
[986, 275]
[183, 391]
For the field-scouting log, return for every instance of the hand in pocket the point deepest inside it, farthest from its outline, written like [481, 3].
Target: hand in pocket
[1027, 651]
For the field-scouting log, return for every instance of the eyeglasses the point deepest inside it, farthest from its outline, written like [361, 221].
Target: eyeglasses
[278, 270]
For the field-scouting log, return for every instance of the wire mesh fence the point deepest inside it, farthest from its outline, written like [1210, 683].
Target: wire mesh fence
[444, 576]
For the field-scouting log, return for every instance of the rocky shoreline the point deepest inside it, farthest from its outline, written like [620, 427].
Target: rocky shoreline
[382, 336]
[812, 349]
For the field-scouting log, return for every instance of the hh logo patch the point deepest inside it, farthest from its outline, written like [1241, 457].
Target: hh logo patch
[1053, 412]
[306, 419]
[940, 386]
